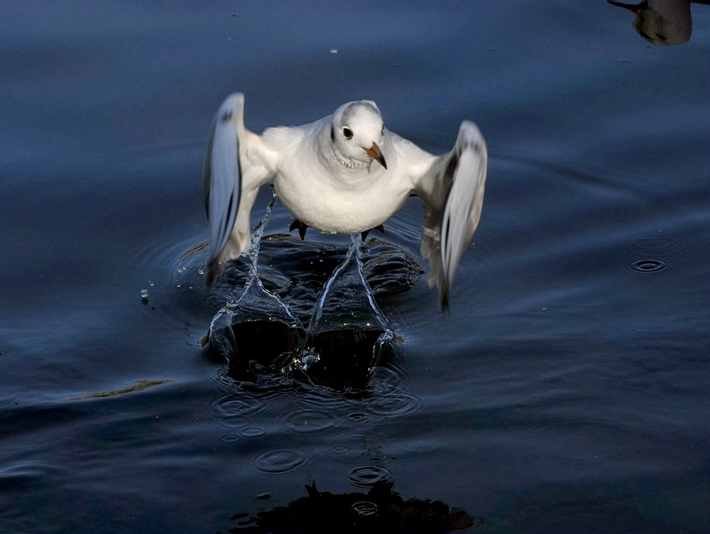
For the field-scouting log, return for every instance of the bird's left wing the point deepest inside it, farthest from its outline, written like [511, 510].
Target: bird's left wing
[237, 163]
[452, 189]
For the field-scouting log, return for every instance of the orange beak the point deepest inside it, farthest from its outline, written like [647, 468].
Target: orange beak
[375, 153]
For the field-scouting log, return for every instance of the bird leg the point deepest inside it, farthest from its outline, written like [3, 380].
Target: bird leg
[380, 227]
[302, 227]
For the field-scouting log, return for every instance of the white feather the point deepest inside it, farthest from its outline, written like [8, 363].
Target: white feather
[344, 173]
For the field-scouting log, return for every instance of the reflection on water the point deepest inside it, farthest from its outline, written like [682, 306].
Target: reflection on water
[380, 510]
[140, 385]
[661, 22]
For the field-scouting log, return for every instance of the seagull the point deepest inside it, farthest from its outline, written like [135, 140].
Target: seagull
[343, 174]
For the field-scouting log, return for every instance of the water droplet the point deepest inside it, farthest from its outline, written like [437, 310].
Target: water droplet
[144, 293]
[306, 359]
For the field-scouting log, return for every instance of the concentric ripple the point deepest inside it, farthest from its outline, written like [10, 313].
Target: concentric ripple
[364, 509]
[340, 449]
[357, 417]
[648, 266]
[252, 432]
[230, 438]
[233, 411]
[310, 421]
[279, 461]
[395, 405]
[368, 476]
[656, 245]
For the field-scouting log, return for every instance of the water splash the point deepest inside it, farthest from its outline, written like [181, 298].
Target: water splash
[347, 332]
[258, 321]
[354, 336]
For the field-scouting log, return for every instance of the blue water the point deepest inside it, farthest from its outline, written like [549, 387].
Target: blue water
[566, 391]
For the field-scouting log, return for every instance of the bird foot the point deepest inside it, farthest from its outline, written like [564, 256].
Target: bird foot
[380, 227]
[302, 227]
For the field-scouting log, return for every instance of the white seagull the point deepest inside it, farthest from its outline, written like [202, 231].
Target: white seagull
[345, 174]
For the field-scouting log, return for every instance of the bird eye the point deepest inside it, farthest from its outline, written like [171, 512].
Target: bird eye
[347, 132]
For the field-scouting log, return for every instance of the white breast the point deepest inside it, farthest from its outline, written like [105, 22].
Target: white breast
[352, 202]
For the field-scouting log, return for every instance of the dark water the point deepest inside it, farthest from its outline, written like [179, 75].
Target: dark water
[566, 391]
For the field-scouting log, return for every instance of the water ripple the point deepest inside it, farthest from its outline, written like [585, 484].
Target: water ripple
[233, 411]
[647, 266]
[310, 421]
[279, 461]
[390, 397]
[656, 245]
[340, 449]
[369, 476]
[395, 404]
[357, 417]
[230, 438]
[252, 432]
[365, 509]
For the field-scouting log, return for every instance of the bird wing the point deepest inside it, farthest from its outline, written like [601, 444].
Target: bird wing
[451, 187]
[237, 163]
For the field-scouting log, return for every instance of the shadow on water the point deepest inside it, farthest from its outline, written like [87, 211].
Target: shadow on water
[661, 22]
[381, 509]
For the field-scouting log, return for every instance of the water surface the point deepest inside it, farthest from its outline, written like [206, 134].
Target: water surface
[566, 390]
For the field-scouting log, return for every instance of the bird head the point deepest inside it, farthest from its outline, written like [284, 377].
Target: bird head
[357, 133]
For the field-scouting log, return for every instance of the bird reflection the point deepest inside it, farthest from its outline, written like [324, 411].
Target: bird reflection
[379, 510]
[661, 22]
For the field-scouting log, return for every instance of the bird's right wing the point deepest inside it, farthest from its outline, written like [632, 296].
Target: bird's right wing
[237, 163]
